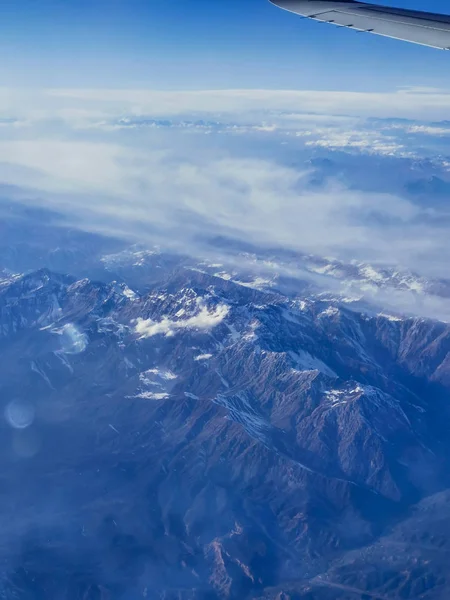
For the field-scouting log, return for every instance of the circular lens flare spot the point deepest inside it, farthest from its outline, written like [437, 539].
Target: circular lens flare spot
[20, 414]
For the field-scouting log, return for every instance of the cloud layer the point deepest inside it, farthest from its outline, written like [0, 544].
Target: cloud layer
[79, 106]
[180, 169]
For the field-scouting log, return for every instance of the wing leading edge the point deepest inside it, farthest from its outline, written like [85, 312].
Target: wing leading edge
[424, 28]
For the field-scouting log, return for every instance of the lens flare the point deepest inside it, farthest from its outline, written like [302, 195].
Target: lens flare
[20, 414]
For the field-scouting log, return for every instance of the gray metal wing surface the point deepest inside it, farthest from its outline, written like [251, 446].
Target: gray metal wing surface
[428, 29]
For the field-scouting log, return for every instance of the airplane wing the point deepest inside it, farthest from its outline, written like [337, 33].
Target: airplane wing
[424, 28]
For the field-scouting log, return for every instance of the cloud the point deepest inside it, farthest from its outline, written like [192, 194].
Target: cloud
[82, 106]
[405, 103]
[201, 357]
[205, 320]
[234, 164]
[63, 165]
[194, 189]
[429, 130]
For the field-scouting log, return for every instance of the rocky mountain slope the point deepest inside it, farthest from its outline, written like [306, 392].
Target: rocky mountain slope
[185, 430]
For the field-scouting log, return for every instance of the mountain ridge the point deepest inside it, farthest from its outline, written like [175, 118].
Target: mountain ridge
[235, 451]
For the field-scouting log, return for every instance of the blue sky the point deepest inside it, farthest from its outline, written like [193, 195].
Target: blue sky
[201, 44]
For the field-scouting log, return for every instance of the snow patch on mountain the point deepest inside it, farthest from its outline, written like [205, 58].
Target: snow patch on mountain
[7, 279]
[128, 293]
[292, 317]
[368, 272]
[306, 362]
[241, 411]
[393, 318]
[331, 311]
[338, 397]
[152, 395]
[251, 335]
[109, 326]
[224, 275]
[234, 334]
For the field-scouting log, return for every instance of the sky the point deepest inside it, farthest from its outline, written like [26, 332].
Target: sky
[201, 44]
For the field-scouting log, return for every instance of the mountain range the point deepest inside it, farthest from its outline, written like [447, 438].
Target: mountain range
[177, 428]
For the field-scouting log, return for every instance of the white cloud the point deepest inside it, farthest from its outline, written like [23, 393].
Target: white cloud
[429, 130]
[411, 103]
[201, 357]
[205, 320]
[178, 187]
[193, 190]
[84, 106]
[63, 165]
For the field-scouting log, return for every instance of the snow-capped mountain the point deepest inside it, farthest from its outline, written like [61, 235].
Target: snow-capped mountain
[196, 430]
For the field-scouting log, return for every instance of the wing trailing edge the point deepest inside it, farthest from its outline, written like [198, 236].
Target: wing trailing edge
[427, 29]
